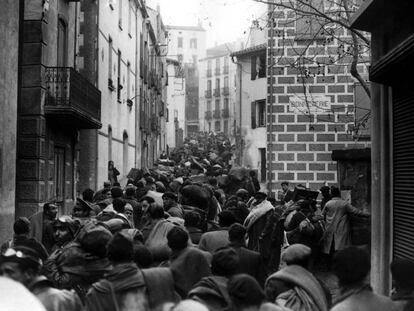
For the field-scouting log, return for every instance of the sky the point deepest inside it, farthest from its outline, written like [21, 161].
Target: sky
[224, 20]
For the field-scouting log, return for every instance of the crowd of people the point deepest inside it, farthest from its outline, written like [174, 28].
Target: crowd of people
[194, 233]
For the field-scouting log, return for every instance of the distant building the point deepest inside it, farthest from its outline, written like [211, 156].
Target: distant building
[187, 44]
[250, 106]
[175, 112]
[218, 89]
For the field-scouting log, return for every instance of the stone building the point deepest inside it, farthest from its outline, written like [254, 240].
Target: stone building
[311, 100]
[187, 44]
[217, 82]
[55, 103]
[250, 105]
[9, 34]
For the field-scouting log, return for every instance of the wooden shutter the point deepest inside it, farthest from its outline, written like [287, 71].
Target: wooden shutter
[253, 115]
[403, 192]
[253, 69]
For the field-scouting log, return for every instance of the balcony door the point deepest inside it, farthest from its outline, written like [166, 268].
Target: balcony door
[62, 44]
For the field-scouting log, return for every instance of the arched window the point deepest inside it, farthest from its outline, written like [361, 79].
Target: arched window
[125, 153]
[109, 143]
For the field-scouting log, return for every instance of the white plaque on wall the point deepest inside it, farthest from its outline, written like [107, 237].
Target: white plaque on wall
[310, 104]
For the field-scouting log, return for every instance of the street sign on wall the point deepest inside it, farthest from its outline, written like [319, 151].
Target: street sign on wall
[309, 104]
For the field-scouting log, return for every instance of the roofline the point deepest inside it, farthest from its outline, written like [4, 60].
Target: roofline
[193, 28]
[252, 50]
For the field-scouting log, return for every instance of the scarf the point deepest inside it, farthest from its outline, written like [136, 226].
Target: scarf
[257, 212]
[307, 294]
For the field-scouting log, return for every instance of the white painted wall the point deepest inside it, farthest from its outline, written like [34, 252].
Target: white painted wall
[175, 104]
[116, 114]
[186, 51]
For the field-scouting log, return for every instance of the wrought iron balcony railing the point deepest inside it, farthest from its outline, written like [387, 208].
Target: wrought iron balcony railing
[226, 69]
[71, 98]
[207, 94]
[225, 91]
[217, 114]
[217, 92]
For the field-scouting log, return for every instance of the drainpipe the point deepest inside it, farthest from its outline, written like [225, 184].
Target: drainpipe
[240, 67]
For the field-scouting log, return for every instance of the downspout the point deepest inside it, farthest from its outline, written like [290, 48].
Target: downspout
[76, 36]
[97, 84]
[240, 67]
[137, 146]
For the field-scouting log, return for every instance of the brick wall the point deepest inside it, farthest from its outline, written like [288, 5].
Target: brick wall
[300, 141]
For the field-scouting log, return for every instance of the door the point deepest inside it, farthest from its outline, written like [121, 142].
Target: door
[59, 176]
[262, 154]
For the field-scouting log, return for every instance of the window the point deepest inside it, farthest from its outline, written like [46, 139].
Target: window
[180, 42]
[226, 82]
[110, 47]
[62, 44]
[208, 105]
[118, 94]
[59, 173]
[193, 43]
[226, 127]
[217, 63]
[208, 85]
[217, 104]
[217, 83]
[308, 26]
[226, 104]
[217, 126]
[209, 126]
[120, 14]
[125, 153]
[209, 64]
[361, 114]
[258, 69]
[258, 114]
[195, 59]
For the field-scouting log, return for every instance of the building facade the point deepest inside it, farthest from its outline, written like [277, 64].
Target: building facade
[392, 152]
[311, 102]
[250, 107]
[175, 114]
[187, 44]
[56, 102]
[9, 33]
[217, 82]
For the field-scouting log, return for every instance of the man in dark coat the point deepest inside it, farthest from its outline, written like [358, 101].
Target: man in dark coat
[171, 205]
[123, 288]
[21, 230]
[130, 197]
[212, 290]
[250, 262]
[41, 225]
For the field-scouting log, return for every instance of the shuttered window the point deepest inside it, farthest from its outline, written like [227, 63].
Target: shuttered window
[253, 115]
[403, 192]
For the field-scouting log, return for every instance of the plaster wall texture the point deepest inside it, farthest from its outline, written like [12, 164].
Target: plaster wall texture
[9, 33]
[119, 25]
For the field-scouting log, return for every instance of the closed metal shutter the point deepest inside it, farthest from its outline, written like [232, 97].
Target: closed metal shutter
[403, 153]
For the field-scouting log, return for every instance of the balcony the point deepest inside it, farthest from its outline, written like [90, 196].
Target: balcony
[209, 73]
[71, 99]
[226, 69]
[217, 92]
[208, 115]
[225, 113]
[207, 94]
[217, 71]
[217, 114]
[225, 91]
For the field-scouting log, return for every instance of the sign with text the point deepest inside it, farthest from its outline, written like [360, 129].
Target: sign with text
[310, 104]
